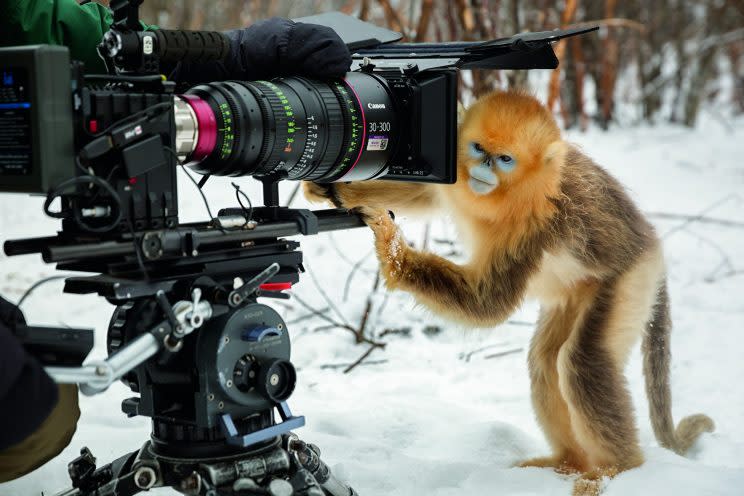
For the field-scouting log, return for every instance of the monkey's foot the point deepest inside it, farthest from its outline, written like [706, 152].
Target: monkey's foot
[590, 483]
[561, 464]
[585, 487]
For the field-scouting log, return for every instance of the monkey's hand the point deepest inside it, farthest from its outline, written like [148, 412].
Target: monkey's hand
[477, 294]
[390, 246]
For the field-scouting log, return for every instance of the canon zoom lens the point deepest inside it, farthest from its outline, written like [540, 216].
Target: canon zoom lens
[313, 130]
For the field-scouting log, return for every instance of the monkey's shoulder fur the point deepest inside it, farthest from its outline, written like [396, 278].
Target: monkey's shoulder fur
[543, 220]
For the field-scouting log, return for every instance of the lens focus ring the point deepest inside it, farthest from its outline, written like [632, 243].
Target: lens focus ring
[277, 123]
[333, 130]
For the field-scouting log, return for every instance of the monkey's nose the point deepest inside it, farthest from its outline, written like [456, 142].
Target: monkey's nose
[482, 180]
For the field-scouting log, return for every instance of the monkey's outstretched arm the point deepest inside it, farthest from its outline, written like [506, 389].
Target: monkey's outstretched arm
[388, 195]
[482, 295]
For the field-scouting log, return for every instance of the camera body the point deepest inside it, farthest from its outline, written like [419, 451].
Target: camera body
[372, 124]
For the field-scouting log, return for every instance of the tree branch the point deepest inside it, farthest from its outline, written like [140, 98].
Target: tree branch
[361, 358]
[702, 219]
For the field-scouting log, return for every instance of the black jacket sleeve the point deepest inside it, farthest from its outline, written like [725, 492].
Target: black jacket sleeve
[27, 393]
[271, 48]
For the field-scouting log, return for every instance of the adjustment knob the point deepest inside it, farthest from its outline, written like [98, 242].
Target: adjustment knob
[245, 373]
[276, 380]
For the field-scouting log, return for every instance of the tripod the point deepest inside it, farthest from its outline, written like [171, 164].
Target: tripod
[284, 466]
[211, 364]
[225, 443]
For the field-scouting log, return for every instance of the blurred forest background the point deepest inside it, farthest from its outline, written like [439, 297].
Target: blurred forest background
[652, 61]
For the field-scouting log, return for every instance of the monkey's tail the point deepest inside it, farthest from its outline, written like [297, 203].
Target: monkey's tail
[656, 359]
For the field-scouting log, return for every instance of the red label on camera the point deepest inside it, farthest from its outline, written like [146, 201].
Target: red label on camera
[276, 286]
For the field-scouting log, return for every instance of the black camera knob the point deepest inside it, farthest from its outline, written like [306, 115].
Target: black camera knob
[276, 380]
[245, 373]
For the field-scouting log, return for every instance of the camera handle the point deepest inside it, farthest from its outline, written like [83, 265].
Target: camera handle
[96, 376]
[127, 48]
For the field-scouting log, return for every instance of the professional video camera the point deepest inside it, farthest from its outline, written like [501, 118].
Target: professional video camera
[211, 364]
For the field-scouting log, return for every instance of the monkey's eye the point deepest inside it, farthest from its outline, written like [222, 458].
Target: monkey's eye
[506, 163]
[476, 150]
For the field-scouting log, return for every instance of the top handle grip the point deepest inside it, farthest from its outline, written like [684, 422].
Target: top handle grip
[176, 45]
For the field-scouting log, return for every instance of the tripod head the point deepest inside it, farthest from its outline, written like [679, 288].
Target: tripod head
[210, 363]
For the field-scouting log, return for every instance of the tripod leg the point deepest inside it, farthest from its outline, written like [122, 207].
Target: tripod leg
[308, 457]
[113, 479]
[304, 484]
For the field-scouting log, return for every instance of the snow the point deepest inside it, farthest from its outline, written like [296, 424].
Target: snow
[434, 418]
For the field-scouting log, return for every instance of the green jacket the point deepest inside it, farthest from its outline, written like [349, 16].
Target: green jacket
[57, 22]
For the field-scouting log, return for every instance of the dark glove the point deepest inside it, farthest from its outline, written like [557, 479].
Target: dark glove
[33, 428]
[271, 48]
[10, 315]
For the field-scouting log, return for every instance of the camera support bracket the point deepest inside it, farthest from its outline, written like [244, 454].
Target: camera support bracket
[96, 376]
[289, 422]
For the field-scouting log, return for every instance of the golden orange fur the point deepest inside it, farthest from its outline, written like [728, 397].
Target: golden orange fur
[558, 228]
[520, 204]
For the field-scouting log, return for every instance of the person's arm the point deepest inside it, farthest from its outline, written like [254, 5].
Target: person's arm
[266, 49]
[37, 417]
[271, 48]
[57, 22]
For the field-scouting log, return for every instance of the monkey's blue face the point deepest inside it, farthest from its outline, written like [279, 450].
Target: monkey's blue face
[483, 178]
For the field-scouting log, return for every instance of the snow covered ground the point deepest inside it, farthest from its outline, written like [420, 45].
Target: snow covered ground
[432, 415]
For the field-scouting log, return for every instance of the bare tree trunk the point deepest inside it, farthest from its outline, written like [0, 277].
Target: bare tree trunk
[650, 56]
[393, 18]
[680, 21]
[493, 10]
[364, 10]
[465, 15]
[516, 79]
[609, 69]
[735, 54]
[578, 58]
[439, 20]
[560, 49]
[715, 22]
[424, 19]
[451, 22]
[696, 91]
[483, 81]
[569, 89]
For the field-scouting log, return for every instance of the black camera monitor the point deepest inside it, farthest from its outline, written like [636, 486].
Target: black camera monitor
[36, 132]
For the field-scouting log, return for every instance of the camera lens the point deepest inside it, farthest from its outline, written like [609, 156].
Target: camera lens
[340, 130]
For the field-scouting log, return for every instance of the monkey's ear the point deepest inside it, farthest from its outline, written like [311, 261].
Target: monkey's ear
[555, 154]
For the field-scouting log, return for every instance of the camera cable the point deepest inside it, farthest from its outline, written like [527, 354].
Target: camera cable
[198, 187]
[247, 212]
[77, 216]
[16, 317]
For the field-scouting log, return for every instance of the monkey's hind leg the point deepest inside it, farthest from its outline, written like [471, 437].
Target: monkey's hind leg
[553, 328]
[590, 377]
